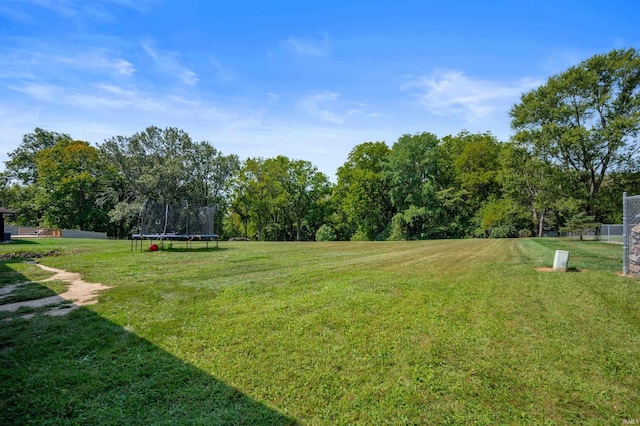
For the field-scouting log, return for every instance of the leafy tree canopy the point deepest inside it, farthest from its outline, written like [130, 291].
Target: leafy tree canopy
[22, 163]
[585, 119]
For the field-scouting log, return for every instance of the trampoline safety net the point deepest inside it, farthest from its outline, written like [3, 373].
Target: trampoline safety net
[170, 219]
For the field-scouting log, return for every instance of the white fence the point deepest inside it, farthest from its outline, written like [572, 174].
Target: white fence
[26, 231]
[74, 233]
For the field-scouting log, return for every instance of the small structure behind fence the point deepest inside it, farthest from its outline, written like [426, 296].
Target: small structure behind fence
[631, 234]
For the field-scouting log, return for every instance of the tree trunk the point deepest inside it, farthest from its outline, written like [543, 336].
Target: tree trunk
[541, 224]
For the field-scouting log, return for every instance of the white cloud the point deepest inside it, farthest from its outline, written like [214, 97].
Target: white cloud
[168, 63]
[328, 106]
[327, 147]
[97, 60]
[40, 92]
[150, 50]
[189, 77]
[142, 6]
[306, 47]
[454, 93]
[112, 99]
[115, 90]
[32, 60]
[14, 123]
[221, 72]
[315, 106]
[67, 9]
[98, 111]
[273, 97]
[76, 10]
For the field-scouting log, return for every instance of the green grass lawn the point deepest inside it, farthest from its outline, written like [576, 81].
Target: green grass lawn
[435, 332]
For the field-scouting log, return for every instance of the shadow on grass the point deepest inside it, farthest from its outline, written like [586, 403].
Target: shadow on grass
[83, 369]
[8, 275]
[21, 242]
[194, 250]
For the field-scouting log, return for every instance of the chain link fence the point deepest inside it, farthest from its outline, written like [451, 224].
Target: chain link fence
[611, 233]
[631, 237]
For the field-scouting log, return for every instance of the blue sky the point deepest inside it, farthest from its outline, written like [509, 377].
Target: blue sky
[305, 79]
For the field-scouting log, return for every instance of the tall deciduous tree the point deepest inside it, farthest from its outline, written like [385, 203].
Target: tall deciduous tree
[536, 184]
[304, 186]
[210, 174]
[477, 165]
[153, 163]
[165, 166]
[615, 184]
[71, 175]
[258, 192]
[586, 119]
[413, 161]
[21, 174]
[362, 190]
[420, 176]
[22, 161]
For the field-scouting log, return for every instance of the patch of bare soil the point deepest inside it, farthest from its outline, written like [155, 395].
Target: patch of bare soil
[80, 293]
[546, 269]
[622, 274]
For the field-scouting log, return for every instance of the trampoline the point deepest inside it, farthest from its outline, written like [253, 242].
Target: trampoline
[170, 222]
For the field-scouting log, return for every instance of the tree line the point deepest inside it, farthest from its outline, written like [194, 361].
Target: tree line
[572, 154]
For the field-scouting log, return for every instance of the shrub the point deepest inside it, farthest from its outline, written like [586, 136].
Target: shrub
[398, 232]
[325, 233]
[360, 236]
[503, 231]
[525, 233]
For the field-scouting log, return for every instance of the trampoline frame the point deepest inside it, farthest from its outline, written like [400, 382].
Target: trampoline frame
[188, 238]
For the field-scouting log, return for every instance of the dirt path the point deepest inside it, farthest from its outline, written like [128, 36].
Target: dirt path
[80, 292]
